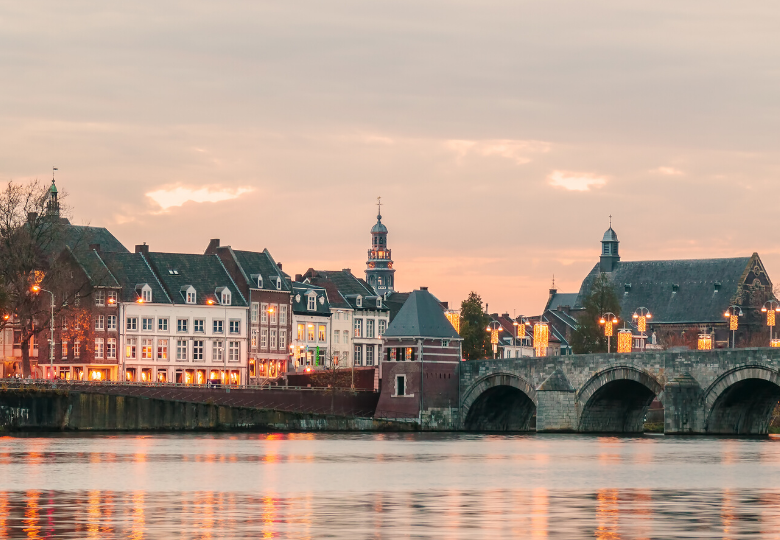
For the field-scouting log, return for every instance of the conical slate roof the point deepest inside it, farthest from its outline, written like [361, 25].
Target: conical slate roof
[421, 316]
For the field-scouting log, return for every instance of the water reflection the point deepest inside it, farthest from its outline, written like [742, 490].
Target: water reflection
[387, 486]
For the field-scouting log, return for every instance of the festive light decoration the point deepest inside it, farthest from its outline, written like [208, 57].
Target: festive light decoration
[774, 343]
[494, 336]
[541, 338]
[608, 329]
[624, 341]
[454, 318]
[770, 317]
[521, 331]
[705, 342]
[733, 322]
[641, 323]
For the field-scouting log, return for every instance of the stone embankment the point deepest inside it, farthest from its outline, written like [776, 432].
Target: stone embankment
[52, 409]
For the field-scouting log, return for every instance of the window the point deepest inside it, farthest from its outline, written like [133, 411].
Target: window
[130, 349]
[255, 311]
[217, 351]
[445, 342]
[132, 323]
[312, 302]
[76, 349]
[100, 298]
[99, 348]
[274, 313]
[254, 338]
[111, 348]
[146, 294]
[197, 350]
[264, 338]
[191, 296]
[181, 325]
[392, 355]
[181, 350]
[146, 349]
[310, 333]
[64, 323]
[359, 301]
[400, 385]
[162, 349]
[225, 300]
[64, 349]
[369, 355]
[235, 327]
[379, 300]
[283, 314]
[162, 325]
[264, 314]
[382, 327]
[199, 325]
[233, 351]
[100, 322]
[358, 355]
[358, 328]
[147, 324]
[111, 320]
[283, 340]
[321, 334]
[273, 338]
[219, 326]
[370, 328]
[409, 354]
[336, 336]
[112, 298]
[301, 331]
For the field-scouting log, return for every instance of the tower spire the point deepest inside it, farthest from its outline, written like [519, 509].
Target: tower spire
[379, 266]
[379, 207]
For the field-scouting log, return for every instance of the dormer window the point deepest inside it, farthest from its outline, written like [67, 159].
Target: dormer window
[278, 283]
[359, 301]
[258, 280]
[379, 302]
[143, 292]
[188, 292]
[312, 302]
[223, 293]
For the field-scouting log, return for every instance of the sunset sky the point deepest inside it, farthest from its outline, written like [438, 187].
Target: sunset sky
[500, 134]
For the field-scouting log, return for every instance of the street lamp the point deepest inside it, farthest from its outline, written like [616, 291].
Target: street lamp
[36, 289]
[494, 328]
[541, 337]
[770, 307]
[608, 319]
[733, 313]
[641, 314]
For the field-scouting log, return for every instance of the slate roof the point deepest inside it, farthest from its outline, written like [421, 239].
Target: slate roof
[204, 272]
[98, 274]
[300, 299]
[262, 263]
[421, 316]
[677, 291]
[131, 269]
[564, 317]
[395, 301]
[562, 299]
[610, 236]
[344, 288]
[79, 238]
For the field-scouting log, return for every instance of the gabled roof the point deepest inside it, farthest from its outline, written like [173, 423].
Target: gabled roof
[680, 291]
[421, 316]
[80, 237]
[344, 288]
[300, 295]
[204, 272]
[562, 316]
[97, 272]
[262, 263]
[561, 300]
[130, 270]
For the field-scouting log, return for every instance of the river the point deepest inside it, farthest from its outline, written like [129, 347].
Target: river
[387, 486]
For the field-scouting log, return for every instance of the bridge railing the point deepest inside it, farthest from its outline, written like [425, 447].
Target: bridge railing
[63, 383]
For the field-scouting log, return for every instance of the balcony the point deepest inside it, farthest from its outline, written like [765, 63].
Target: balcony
[379, 254]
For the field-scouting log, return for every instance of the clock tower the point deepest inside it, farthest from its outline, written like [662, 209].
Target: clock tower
[379, 267]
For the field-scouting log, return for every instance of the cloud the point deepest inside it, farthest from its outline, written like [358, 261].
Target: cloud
[516, 150]
[668, 171]
[574, 181]
[169, 197]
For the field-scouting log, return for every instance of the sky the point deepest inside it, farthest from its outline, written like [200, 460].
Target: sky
[501, 135]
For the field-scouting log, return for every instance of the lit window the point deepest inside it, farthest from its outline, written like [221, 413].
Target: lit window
[274, 309]
[358, 325]
[254, 338]
[162, 349]
[146, 349]
[301, 331]
[321, 334]
[112, 297]
[310, 333]
[130, 348]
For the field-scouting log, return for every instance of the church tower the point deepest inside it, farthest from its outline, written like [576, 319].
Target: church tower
[379, 267]
[609, 250]
[53, 204]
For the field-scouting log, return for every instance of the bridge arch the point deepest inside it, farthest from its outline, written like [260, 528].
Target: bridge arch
[741, 401]
[499, 402]
[616, 399]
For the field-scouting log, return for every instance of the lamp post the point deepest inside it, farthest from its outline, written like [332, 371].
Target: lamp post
[36, 289]
[641, 314]
[608, 319]
[494, 328]
[733, 313]
[770, 308]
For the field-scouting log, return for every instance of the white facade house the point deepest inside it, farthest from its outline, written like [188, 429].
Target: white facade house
[311, 328]
[341, 335]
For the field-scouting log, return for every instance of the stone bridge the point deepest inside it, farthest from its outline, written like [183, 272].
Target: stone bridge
[726, 391]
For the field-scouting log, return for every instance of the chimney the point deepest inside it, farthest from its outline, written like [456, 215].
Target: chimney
[95, 247]
[299, 278]
[278, 265]
[445, 305]
[142, 248]
[423, 288]
[213, 245]
[347, 271]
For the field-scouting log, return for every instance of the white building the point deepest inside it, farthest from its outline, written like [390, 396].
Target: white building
[311, 327]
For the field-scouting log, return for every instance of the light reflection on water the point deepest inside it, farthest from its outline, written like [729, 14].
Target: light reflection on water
[388, 486]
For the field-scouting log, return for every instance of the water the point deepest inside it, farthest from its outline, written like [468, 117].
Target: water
[388, 486]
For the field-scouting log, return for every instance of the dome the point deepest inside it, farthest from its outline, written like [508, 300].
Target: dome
[610, 236]
[379, 227]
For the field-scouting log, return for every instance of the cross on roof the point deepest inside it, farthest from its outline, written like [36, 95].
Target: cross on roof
[379, 206]
[610, 220]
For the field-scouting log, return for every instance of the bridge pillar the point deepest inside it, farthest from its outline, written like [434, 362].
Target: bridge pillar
[683, 406]
[556, 404]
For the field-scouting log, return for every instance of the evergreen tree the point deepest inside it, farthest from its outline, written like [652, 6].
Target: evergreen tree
[589, 335]
[473, 322]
